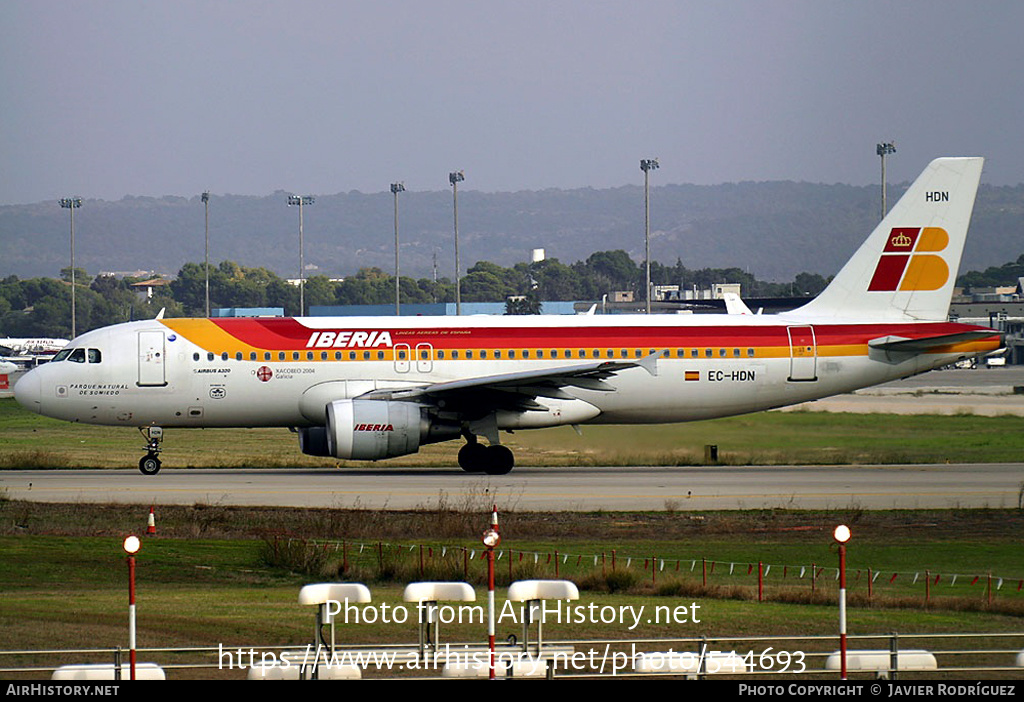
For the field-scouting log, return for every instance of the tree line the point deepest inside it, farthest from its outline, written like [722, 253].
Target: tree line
[994, 276]
[42, 306]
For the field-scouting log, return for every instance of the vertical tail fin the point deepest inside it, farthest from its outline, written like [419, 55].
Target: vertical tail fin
[907, 268]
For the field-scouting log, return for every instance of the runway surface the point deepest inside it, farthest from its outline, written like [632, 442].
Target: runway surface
[542, 489]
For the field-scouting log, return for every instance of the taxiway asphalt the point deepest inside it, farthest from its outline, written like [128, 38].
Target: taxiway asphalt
[542, 489]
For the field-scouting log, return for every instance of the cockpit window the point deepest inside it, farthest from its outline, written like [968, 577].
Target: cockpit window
[95, 356]
[61, 355]
[77, 356]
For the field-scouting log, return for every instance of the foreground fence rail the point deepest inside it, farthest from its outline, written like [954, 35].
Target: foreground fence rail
[953, 656]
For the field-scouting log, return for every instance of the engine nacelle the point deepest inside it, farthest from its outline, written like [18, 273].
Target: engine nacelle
[374, 429]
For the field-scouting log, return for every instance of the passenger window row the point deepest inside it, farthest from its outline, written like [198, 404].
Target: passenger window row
[467, 354]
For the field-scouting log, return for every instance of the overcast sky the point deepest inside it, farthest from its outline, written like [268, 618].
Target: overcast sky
[107, 98]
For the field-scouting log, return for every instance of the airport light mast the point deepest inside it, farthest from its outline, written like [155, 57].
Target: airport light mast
[647, 165]
[72, 203]
[455, 178]
[883, 150]
[301, 201]
[206, 203]
[395, 189]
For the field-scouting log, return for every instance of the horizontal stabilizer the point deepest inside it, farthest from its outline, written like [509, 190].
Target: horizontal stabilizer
[900, 344]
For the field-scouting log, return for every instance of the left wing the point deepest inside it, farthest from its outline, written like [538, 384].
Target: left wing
[517, 392]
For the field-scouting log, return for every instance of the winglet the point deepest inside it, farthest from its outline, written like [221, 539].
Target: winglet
[160, 314]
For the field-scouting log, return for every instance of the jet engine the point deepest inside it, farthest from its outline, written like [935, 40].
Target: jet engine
[372, 429]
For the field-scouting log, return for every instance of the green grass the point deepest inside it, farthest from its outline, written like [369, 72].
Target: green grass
[207, 579]
[69, 592]
[801, 438]
[228, 579]
[62, 583]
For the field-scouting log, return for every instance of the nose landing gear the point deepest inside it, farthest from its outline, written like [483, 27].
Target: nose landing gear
[150, 463]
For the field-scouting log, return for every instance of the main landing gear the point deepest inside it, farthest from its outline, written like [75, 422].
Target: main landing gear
[495, 459]
[150, 464]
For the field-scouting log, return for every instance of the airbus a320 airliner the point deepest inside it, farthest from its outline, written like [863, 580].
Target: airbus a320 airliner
[378, 387]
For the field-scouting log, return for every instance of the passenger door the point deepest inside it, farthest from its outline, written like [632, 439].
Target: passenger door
[803, 354]
[152, 359]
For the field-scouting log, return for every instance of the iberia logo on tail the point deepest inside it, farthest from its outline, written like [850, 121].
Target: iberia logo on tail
[909, 261]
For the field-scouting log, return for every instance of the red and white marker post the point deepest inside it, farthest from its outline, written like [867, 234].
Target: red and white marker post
[131, 547]
[491, 539]
[842, 535]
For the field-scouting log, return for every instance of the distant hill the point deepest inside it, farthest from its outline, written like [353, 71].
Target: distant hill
[774, 230]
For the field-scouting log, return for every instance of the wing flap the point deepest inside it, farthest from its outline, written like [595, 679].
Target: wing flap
[518, 389]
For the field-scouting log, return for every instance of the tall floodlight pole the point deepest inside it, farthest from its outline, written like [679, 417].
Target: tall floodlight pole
[301, 201]
[395, 189]
[72, 203]
[647, 165]
[455, 179]
[883, 150]
[206, 203]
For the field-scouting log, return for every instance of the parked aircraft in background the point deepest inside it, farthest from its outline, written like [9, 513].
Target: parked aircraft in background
[376, 388]
[735, 305]
[25, 347]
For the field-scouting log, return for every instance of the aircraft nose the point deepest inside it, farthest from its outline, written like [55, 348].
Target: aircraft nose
[28, 392]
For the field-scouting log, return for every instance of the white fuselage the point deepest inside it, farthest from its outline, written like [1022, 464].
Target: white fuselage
[249, 373]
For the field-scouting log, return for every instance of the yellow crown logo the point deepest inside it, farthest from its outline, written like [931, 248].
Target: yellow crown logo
[901, 240]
